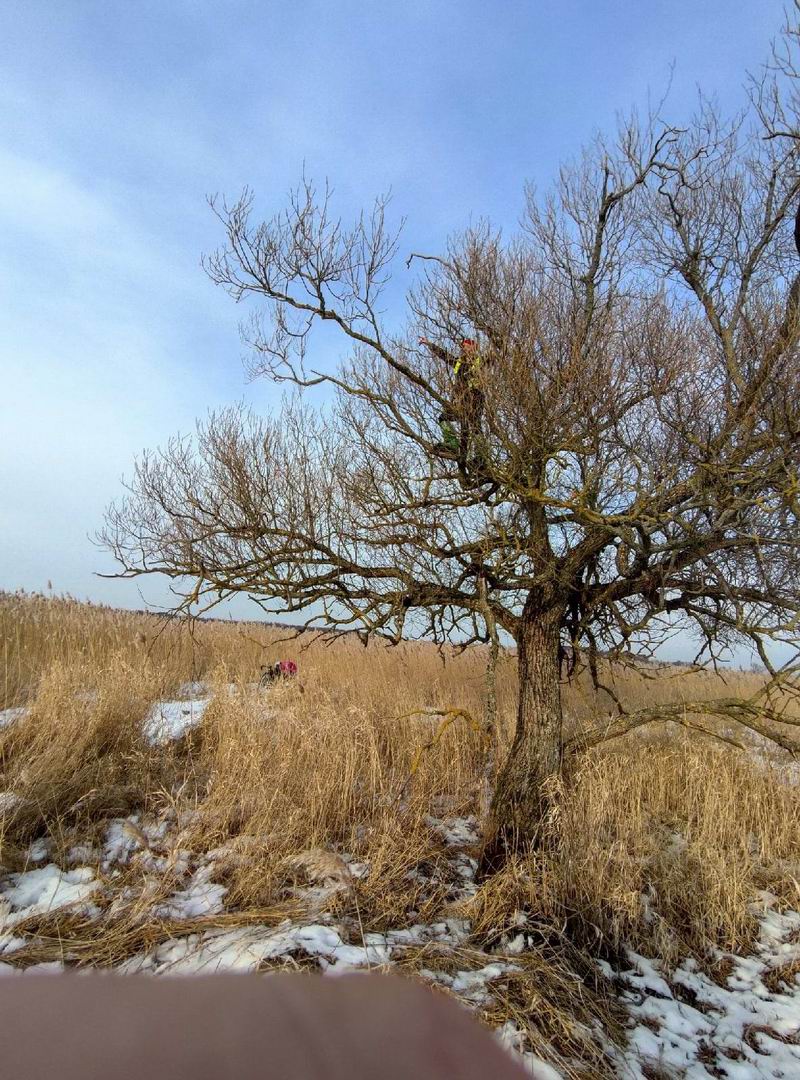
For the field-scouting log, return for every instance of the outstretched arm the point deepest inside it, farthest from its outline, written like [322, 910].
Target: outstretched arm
[438, 351]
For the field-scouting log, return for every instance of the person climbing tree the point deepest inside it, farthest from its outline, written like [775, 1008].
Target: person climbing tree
[466, 406]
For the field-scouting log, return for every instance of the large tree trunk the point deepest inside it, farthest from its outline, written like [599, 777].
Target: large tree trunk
[487, 787]
[521, 799]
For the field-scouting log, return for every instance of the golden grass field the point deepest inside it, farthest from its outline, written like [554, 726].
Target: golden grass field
[664, 838]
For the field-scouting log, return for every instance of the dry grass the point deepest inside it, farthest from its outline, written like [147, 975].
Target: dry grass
[661, 848]
[37, 631]
[662, 840]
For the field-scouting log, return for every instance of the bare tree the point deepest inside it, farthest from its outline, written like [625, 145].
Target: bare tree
[627, 459]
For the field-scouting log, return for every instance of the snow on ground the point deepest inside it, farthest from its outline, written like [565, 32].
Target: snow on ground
[39, 850]
[691, 1027]
[8, 942]
[200, 897]
[684, 1025]
[45, 889]
[9, 801]
[166, 720]
[170, 719]
[247, 948]
[126, 837]
[513, 1040]
[8, 716]
[244, 949]
[456, 832]
[334, 948]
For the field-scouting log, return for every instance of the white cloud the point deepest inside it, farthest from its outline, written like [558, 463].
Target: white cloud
[94, 363]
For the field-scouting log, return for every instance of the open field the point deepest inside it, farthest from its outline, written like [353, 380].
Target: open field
[240, 827]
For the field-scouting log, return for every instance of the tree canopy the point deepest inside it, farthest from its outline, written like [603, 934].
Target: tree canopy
[588, 431]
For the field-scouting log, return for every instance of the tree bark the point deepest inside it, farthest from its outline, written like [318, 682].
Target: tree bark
[523, 794]
[485, 798]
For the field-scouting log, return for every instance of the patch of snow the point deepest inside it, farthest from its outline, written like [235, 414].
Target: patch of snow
[179, 861]
[245, 949]
[516, 945]
[126, 837]
[456, 832]
[155, 831]
[358, 869]
[48, 967]
[37, 892]
[168, 720]
[120, 843]
[8, 942]
[451, 932]
[9, 801]
[473, 984]
[510, 1037]
[691, 1027]
[10, 716]
[82, 854]
[201, 897]
[39, 850]
[466, 867]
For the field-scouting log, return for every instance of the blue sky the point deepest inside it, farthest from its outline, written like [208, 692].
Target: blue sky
[118, 118]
